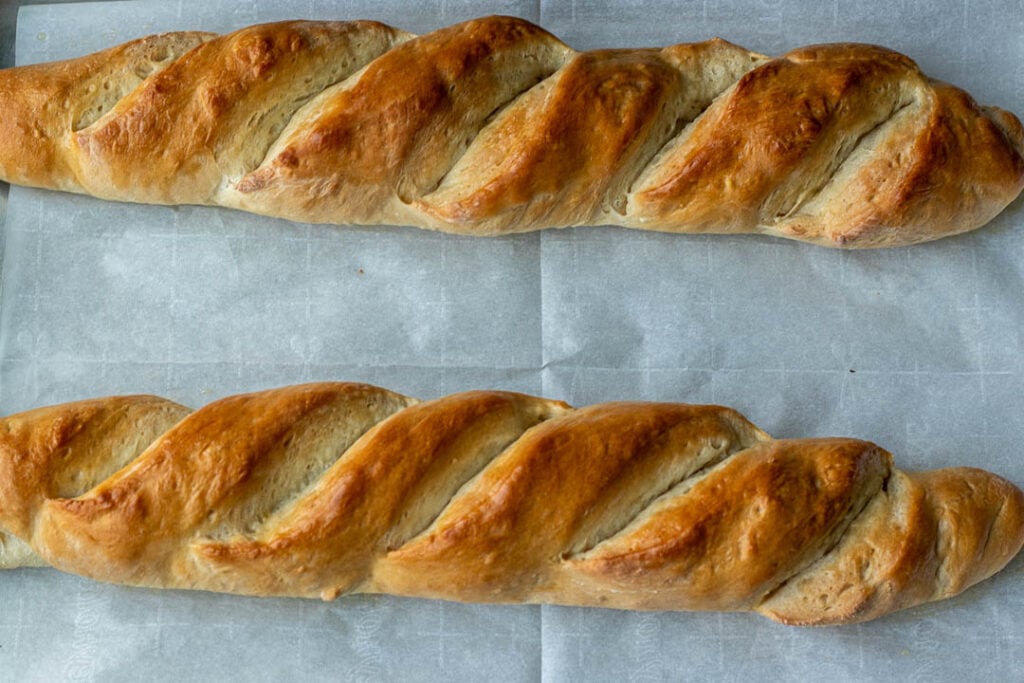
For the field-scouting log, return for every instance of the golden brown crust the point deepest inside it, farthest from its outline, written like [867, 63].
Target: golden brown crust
[541, 161]
[502, 537]
[64, 451]
[379, 495]
[326, 489]
[389, 136]
[885, 562]
[44, 104]
[205, 472]
[973, 512]
[494, 126]
[784, 123]
[750, 524]
[210, 106]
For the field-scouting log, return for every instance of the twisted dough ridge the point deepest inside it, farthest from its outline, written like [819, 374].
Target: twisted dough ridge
[334, 488]
[495, 126]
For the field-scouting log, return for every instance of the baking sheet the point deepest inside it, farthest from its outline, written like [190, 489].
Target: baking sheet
[917, 349]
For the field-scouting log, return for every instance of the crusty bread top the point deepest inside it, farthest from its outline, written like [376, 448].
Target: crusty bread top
[332, 488]
[495, 126]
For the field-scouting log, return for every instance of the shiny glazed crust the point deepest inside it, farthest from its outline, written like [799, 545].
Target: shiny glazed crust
[495, 126]
[330, 489]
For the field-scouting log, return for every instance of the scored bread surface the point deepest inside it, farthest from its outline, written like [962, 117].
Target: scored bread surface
[494, 126]
[486, 496]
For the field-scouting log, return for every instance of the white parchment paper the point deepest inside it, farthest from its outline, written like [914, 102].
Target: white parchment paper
[917, 349]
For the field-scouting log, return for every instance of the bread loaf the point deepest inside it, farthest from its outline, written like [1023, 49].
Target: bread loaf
[495, 126]
[329, 489]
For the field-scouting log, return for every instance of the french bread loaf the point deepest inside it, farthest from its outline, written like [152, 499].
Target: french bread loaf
[495, 126]
[330, 489]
